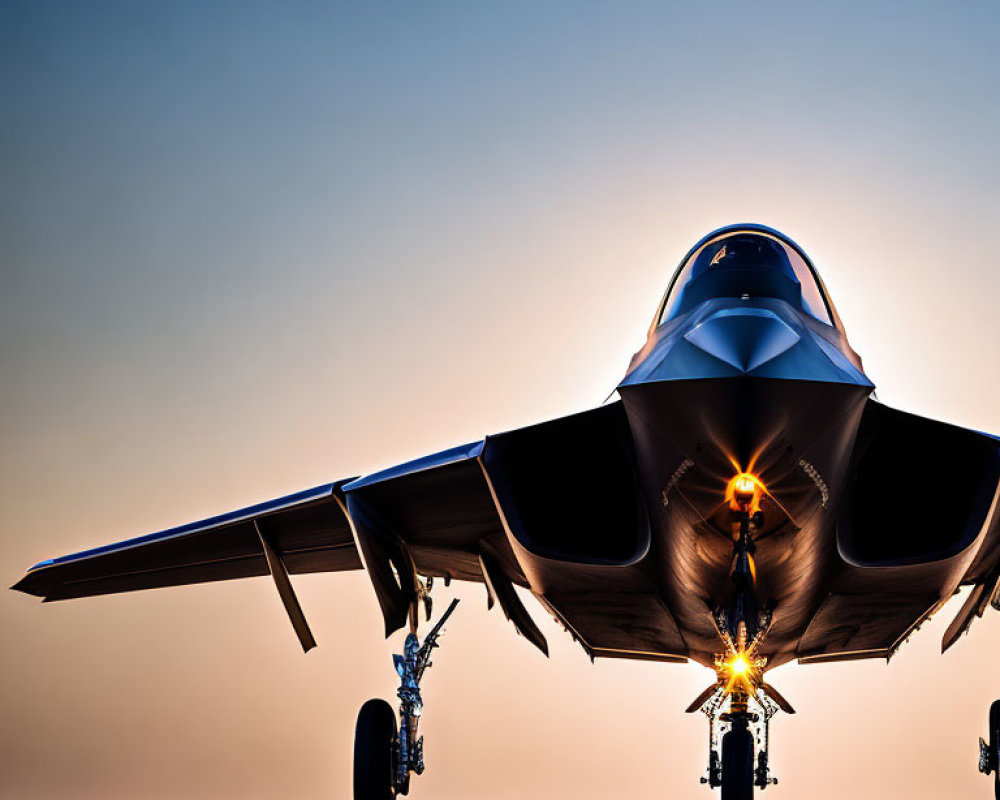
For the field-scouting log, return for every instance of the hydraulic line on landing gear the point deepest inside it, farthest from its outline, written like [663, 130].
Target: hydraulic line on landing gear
[385, 753]
[410, 667]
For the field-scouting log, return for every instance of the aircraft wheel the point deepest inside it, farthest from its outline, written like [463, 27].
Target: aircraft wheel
[994, 741]
[374, 743]
[737, 765]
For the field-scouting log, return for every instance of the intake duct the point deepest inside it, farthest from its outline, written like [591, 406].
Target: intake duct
[569, 489]
[919, 490]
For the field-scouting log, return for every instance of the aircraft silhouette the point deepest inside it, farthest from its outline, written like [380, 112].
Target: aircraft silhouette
[743, 502]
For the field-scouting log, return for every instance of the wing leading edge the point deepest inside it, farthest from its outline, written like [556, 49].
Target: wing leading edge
[308, 529]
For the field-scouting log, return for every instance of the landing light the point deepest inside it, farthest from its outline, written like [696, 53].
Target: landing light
[744, 492]
[739, 672]
[738, 665]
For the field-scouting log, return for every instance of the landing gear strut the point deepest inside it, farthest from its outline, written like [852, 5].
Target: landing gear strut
[742, 626]
[384, 754]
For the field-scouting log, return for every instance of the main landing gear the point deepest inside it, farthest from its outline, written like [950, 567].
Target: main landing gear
[385, 754]
[989, 752]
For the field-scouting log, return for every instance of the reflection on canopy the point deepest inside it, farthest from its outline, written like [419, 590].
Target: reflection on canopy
[746, 262]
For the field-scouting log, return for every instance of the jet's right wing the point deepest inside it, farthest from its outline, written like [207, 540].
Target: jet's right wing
[555, 507]
[309, 529]
[433, 516]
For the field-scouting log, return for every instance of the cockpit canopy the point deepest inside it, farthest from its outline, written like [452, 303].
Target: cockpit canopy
[746, 261]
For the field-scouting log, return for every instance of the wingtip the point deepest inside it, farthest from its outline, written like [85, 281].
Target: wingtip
[24, 585]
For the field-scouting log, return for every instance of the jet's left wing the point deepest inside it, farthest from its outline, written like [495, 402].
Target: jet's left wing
[983, 576]
[921, 519]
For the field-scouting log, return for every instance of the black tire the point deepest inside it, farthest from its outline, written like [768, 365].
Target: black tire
[994, 742]
[737, 765]
[373, 751]
[995, 725]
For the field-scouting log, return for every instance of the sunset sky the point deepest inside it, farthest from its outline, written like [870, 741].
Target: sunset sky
[248, 248]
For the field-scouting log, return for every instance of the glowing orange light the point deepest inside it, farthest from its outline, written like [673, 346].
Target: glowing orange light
[744, 492]
[738, 665]
[740, 671]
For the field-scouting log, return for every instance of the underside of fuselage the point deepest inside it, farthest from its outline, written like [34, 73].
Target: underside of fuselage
[652, 593]
[691, 438]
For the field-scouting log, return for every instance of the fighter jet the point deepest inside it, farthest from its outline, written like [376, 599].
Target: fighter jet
[742, 502]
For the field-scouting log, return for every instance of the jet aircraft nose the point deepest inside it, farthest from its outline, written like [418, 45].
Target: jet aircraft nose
[744, 338]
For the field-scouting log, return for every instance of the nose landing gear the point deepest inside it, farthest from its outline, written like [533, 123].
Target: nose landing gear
[736, 735]
[384, 754]
[742, 626]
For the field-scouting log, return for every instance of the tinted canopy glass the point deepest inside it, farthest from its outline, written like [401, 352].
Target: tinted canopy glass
[746, 263]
